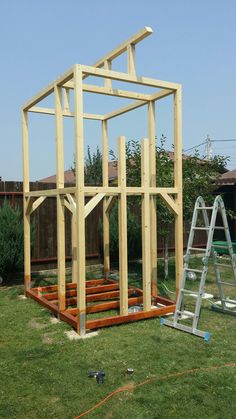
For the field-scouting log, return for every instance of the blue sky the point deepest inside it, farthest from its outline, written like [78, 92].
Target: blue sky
[193, 43]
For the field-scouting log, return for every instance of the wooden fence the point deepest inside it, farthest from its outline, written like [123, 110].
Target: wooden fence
[45, 233]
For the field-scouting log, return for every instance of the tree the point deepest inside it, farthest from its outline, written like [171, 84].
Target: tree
[199, 178]
[11, 240]
[92, 168]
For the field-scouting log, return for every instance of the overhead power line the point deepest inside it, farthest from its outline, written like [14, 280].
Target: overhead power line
[196, 146]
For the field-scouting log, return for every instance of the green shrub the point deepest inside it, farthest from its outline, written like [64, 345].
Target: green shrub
[133, 233]
[11, 241]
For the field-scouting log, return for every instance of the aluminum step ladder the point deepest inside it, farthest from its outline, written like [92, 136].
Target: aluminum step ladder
[226, 305]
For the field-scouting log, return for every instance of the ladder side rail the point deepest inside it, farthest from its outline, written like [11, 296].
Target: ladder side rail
[210, 234]
[221, 209]
[228, 237]
[180, 298]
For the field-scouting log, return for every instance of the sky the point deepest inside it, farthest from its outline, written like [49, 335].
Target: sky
[193, 43]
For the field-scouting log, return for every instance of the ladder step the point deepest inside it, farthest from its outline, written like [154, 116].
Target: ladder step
[220, 246]
[227, 283]
[219, 228]
[224, 265]
[227, 300]
[200, 228]
[203, 208]
[184, 291]
[197, 248]
[193, 270]
[185, 313]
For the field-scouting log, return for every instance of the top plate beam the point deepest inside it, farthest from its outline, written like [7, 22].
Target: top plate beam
[133, 40]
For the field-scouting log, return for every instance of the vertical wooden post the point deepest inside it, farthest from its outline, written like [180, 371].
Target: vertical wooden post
[123, 252]
[74, 248]
[60, 200]
[107, 82]
[106, 239]
[27, 256]
[153, 217]
[178, 185]
[66, 100]
[131, 60]
[146, 247]
[80, 201]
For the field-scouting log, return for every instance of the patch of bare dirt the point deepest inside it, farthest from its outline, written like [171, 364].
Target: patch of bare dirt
[36, 325]
[48, 338]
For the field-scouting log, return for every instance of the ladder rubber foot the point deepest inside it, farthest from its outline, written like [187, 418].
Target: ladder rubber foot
[161, 321]
[207, 336]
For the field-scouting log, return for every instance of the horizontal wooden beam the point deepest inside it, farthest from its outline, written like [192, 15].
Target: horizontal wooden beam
[50, 111]
[115, 75]
[107, 190]
[135, 105]
[52, 192]
[161, 94]
[49, 89]
[140, 315]
[133, 40]
[100, 90]
[108, 305]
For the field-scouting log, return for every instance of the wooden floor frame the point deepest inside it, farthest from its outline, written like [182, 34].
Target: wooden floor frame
[106, 291]
[73, 198]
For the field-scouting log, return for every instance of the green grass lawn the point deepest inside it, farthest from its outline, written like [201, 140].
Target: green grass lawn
[44, 375]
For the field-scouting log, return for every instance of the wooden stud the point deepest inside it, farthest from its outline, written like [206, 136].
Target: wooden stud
[93, 202]
[60, 200]
[105, 183]
[36, 204]
[74, 248]
[178, 185]
[66, 100]
[146, 247]
[80, 198]
[107, 82]
[171, 204]
[27, 256]
[109, 203]
[131, 60]
[153, 221]
[123, 253]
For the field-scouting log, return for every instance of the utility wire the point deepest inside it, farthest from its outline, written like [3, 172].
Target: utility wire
[198, 145]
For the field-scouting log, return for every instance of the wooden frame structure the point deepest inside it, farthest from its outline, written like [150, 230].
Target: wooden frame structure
[81, 293]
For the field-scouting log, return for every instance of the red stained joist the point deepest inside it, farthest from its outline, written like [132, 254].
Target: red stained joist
[110, 305]
[31, 293]
[71, 285]
[141, 315]
[89, 290]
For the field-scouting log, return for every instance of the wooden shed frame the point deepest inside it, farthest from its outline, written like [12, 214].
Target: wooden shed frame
[59, 298]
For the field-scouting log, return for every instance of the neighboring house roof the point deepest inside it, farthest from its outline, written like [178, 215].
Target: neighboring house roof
[228, 178]
[69, 176]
